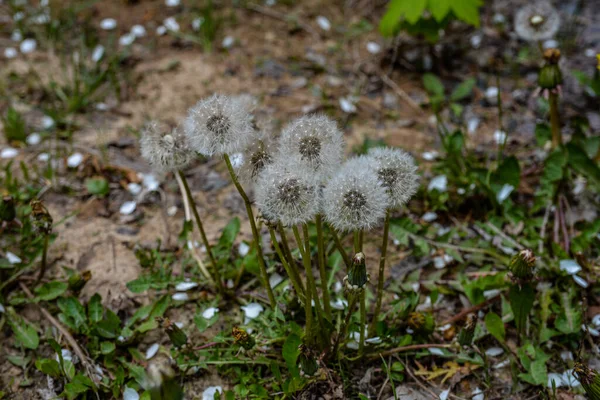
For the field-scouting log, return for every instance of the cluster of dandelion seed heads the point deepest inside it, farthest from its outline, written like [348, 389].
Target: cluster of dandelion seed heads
[218, 125]
[317, 141]
[164, 149]
[354, 199]
[285, 193]
[537, 21]
[396, 172]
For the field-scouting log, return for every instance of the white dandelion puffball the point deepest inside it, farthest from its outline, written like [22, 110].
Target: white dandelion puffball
[397, 172]
[537, 21]
[218, 125]
[165, 150]
[354, 199]
[317, 141]
[286, 192]
[257, 155]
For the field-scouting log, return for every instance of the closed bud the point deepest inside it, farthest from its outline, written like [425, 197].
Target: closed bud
[77, 281]
[41, 218]
[590, 380]
[7, 209]
[421, 323]
[176, 335]
[243, 338]
[550, 76]
[522, 265]
[307, 361]
[357, 276]
[465, 337]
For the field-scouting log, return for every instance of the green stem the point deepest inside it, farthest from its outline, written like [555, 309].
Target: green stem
[357, 241]
[322, 273]
[44, 259]
[308, 292]
[500, 123]
[286, 248]
[381, 279]
[555, 120]
[340, 247]
[363, 322]
[344, 327]
[298, 287]
[259, 253]
[213, 262]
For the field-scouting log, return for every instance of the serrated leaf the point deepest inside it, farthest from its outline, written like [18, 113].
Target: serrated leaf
[24, 333]
[290, 353]
[494, 324]
[467, 11]
[538, 372]
[95, 310]
[439, 9]
[414, 10]
[391, 19]
[50, 291]
[463, 90]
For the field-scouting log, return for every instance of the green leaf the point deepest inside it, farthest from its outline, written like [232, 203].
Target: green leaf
[439, 9]
[107, 347]
[580, 161]
[290, 353]
[508, 172]
[24, 333]
[463, 90]
[73, 313]
[139, 285]
[95, 310]
[570, 319]
[49, 367]
[538, 372]
[467, 11]
[229, 234]
[110, 326]
[543, 134]
[19, 361]
[414, 10]
[411, 10]
[160, 307]
[433, 85]
[521, 301]
[51, 290]
[495, 326]
[97, 186]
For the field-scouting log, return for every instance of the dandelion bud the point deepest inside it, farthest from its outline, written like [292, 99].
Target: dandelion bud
[218, 125]
[307, 361]
[176, 335]
[522, 265]
[357, 276]
[421, 323]
[316, 141]
[537, 21]
[41, 218]
[465, 337]
[397, 173]
[165, 150]
[286, 192]
[243, 338]
[353, 199]
[550, 75]
[590, 380]
[77, 281]
[8, 210]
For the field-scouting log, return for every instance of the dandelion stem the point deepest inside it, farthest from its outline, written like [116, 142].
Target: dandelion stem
[259, 253]
[382, 259]
[340, 247]
[213, 262]
[322, 272]
[554, 120]
[344, 328]
[357, 241]
[298, 287]
[288, 252]
[44, 259]
[363, 321]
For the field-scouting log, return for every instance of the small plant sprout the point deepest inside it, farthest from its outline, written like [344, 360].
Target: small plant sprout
[465, 337]
[355, 283]
[168, 151]
[549, 81]
[317, 141]
[397, 173]
[590, 380]
[536, 22]
[308, 363]
[42, 224]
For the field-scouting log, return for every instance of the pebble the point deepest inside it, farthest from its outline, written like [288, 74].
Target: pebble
[33, 139]
[10, 52]
[373, 47]
[74, 160]
[228, 42]
[28, 46]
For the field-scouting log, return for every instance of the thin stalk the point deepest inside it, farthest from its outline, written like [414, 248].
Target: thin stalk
[357, 241]
[500, 123]
[344, 327]
[213, 262]
[44, 259]
[322, 273]
[308, 302]
[298, 287]
[363, 321]
[555, 120]
[340, 248]
[259, 253]
[381, 279]
[286, 247]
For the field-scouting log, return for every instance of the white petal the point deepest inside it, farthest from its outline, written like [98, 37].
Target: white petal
[16, 36]
[323, 23]
[436, 351]
[504, 193]
[210, 312]
[184, 286]
[152, 350]
[134, 188]
[127, 39]
[172, 3]
[494, 351]
[9, 152]
[339, 304]
[347, 105]
[550, 44]
[209, 392]
[171, 24]
[570, 379]
[439, 183]
[180, 297]
[373, 340]
[429, 216]
[243, 249]
[228, 42]
[502, 364]
[488, 294]
[150, 182]
[197, 23]
[179, 325]
[2, 309]
[275, 280]
[47, 122]
[10, 52]
[13, 258]
[477, 394]
[430, 155]
[74, 160]
[28, 46]
[499, 136]
[252, 310]
[472, 125]
[138, 31]
[556, 378]
[373, 47]
[34, 139]
[108, 24]
[130, 394]
[161, 30]
[476, 41]
[444, 395]
[570, 266]
[596, 320]
[128, 207]
[43, 157]
[580, 281]
[491, 93]
[98, 53]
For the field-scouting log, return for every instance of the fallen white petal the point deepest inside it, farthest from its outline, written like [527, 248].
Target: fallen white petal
[347, 106]
[504, 192]
[128, 207]
[172, 3]
[477, 394]
[337, 286]
[373, 47]
[134, 188]
[209, 392]
[2, 309]
[179, 325]
[243, 249]
[323, 23]
[339, 304]
[43, 157]
[138, 31]
[476, 41]
[502, 364]
[33, 139]
[580, 281]
[209, 312]
[18, 16]
[13, 258]
[488, 294]
[275, 280]
[472, 125]
[9, 152]
[130, 394]
[180, 297]
[429, 216]
[152, 350]
[596, 320]
[571, 267]
[74, 160]
[499, 137]
[184, 286]
[197, 23]
[150, 182]
[556, 378]
[374, 340]
[16, 36]
[491, 93]
[436, 351]
[228, 42]
[439, 183]
[252, 310]
[550, 44]
[161, 30]
[47, 122]
[108, 24]
[444, 395]
[570, 379]
[171, 24]
[494, 351]
[10, 52]
[127, 39]
[430, 155]
[97, 53]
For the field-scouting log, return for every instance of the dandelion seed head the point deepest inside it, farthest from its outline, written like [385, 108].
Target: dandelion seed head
[354, 198]
[537, 21]
[259, 153]
[165, 150]
[396, 172]
[218, 125]
[284, 193]
[316, 141]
